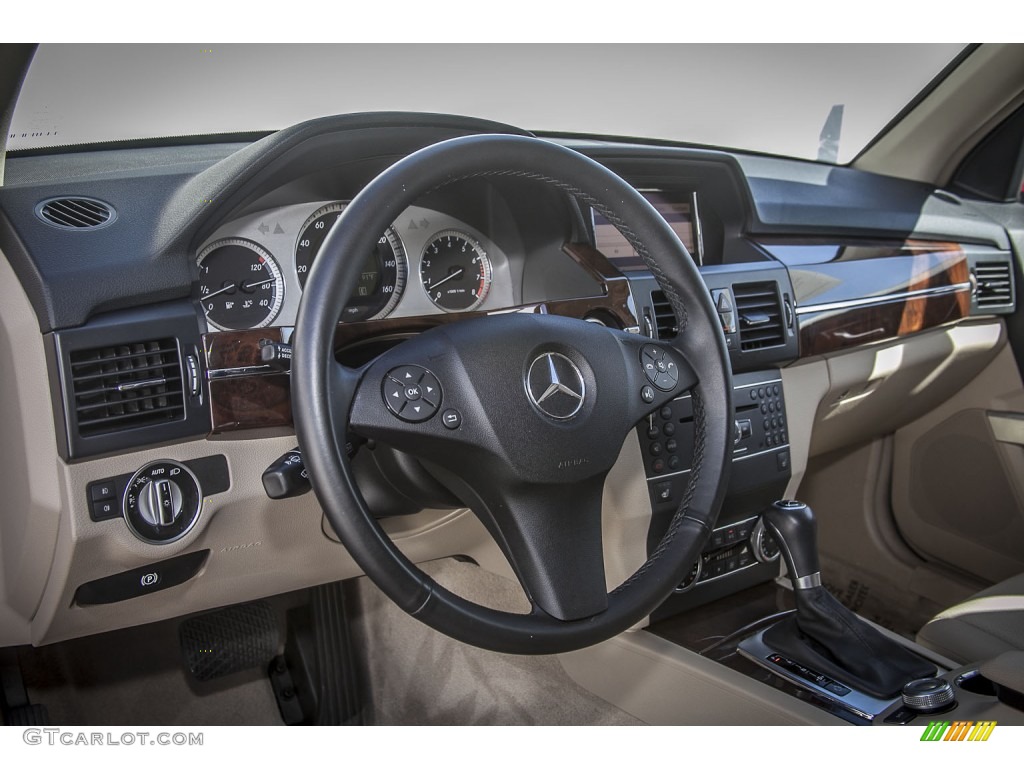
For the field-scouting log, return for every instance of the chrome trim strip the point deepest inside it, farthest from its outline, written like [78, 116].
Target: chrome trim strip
[735, 388]
[761, 453]
[860, 704]
[133, 385]
[669, 474]
[698, 231]
[807, 582]
[866, 302]
[245, 370]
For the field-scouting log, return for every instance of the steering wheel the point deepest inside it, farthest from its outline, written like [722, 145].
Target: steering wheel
[520, 415]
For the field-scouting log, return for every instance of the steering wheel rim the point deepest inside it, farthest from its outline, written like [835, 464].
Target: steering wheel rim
[326, 395]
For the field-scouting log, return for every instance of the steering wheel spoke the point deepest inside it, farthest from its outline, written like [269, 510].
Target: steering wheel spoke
[551, 536]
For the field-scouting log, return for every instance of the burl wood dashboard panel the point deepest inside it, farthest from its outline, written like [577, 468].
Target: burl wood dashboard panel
[877, 293]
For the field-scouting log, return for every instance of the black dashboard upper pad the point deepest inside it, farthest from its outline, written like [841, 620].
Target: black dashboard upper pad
[168, 198]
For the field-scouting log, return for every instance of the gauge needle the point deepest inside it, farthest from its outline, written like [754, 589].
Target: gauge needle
[225, 289]
[249, 287]
[444, 280]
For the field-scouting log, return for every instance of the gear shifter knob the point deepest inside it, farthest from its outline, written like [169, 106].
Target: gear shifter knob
[794, 527]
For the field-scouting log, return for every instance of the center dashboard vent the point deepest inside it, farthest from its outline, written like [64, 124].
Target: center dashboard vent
[760, 315]
[124, 386]
[75, 213]
[666, 325]
[993, 286]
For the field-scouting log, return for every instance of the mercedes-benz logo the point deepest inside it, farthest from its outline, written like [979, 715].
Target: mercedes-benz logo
[555, 385]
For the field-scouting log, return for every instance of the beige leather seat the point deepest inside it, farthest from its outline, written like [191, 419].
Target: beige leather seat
[986, 625]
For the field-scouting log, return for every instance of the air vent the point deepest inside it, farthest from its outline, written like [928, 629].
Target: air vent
[125, 386]
[760, 316]
[993, 286]
[664, 318]
[75, 213]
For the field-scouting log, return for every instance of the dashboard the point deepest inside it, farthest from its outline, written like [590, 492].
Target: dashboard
[149, 333]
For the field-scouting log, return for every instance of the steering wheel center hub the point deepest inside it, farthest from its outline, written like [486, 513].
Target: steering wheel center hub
[555, 386]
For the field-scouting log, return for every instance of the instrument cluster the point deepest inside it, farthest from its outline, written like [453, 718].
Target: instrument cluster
[252, 270]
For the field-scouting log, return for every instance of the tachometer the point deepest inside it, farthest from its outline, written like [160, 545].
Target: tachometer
[240, 284]
[383, 275]
[455, 271]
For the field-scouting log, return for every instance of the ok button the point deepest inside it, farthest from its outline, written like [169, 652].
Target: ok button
[413, 393]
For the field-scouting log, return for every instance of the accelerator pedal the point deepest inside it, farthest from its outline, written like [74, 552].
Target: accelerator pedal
[315, 680]
[229, 640]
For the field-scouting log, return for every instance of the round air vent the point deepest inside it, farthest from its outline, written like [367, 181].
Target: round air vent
[75, 213]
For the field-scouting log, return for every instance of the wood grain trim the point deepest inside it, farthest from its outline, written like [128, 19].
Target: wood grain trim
[932, 267]
[236, 349]
[251, 402]
[264, 400]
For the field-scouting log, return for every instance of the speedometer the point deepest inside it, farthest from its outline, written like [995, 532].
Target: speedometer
[381, 279]
[240, 284]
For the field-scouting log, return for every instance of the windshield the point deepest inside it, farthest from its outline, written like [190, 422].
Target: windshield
[821, 102]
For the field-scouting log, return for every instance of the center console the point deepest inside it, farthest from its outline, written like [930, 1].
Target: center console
[738, 554]
[803, 642]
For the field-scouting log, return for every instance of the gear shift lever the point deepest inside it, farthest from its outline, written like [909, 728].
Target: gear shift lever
[825, 635]
[796, 530]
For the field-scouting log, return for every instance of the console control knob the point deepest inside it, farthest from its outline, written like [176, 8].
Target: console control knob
[766, 548]
[691, 578]
[162, 502]
[928, 694]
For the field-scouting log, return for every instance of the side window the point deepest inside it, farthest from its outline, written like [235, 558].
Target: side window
[994, 169]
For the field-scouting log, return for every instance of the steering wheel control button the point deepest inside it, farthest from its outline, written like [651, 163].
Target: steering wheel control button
[411, 393]
[430, 388]
[647, 393]
[162, 502]
[451, 418]
[659, 367]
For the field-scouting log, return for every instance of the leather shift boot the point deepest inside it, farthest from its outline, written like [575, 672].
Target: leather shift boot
[829, 638]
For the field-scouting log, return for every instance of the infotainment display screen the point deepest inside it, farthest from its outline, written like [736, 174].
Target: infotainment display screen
[678, 208]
